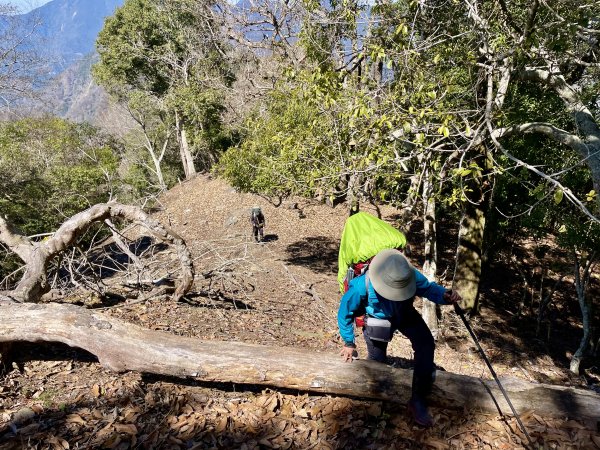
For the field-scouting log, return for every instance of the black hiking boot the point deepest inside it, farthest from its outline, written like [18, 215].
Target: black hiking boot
[418, 410]
[417, 406]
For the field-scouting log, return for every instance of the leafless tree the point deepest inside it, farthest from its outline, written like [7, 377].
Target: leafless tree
[21, 63]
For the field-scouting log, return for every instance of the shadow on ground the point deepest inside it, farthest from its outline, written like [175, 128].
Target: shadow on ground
[318, 253]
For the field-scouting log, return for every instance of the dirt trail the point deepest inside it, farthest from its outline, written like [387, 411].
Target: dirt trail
[283, 292]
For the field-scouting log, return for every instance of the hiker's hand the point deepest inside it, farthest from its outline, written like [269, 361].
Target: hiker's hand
[347, 353]
[452, 297]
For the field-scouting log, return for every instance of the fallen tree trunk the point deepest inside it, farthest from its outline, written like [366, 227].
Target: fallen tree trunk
[122, 346]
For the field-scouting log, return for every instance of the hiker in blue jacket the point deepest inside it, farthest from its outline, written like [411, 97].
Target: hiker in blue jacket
[385, 294]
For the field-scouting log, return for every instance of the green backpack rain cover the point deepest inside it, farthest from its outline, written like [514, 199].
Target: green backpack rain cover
[363, 237]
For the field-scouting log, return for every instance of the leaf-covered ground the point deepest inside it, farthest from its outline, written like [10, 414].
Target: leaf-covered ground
[284, 292]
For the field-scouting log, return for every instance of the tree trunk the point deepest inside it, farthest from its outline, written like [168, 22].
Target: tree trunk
[122, 346]
[581, 284]
[469, 253]
[149, 145]
[184, 149]
[157, 169]
[430, 309]
[352, 196]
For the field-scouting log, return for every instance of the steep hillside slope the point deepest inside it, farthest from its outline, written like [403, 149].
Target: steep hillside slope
[283, 292]
[62, 33]
[286, 291]
[74, 95]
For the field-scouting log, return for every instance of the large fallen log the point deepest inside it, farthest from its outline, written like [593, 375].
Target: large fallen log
[122, 346]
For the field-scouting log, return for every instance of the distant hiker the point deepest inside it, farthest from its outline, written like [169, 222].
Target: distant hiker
[258, 223]
[386, 293]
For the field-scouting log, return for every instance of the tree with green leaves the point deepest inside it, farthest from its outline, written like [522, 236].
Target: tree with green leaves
[527, 205]
[51, 168]
[374, 114]
[553, 48]
[403, 94]
[166, 62]
[538, 65]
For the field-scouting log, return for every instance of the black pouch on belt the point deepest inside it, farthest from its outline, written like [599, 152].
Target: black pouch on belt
[378, 329]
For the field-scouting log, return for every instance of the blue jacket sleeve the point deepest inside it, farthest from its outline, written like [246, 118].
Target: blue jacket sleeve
[429, 290]
[349, 304]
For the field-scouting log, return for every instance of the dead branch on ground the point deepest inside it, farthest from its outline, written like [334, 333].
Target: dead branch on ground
[38, 256]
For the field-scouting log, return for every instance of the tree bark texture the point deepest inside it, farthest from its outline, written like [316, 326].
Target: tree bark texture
[582, 279]
[190, 169]
[122, 346]
[471, 232]
[468, 255]
[430, 309]
[187, 160]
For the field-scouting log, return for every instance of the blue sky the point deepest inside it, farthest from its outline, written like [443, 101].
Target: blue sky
[26, 5]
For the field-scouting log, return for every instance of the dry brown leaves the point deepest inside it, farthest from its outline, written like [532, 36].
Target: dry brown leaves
[130, 412]
[273, 293]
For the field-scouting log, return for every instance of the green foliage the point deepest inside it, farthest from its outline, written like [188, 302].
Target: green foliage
[535, 207]
[130, 46]
[580, 235]
[201, 109]
[324, 127]
[51, 169]
[417, 97]
[285, 150]
[165, 62]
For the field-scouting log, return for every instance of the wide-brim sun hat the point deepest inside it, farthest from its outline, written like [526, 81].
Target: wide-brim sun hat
[392, 276]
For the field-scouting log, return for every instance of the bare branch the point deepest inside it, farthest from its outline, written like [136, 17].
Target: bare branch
[567, 192]
[17, 242]
[565, 22]
[549, 130]
[34, 284]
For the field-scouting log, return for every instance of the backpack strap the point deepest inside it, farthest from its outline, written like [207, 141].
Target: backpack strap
[367, 280]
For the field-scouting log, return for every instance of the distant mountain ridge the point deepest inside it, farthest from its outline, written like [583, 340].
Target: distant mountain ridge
[65, 38]
[74, 95]
[69, 28]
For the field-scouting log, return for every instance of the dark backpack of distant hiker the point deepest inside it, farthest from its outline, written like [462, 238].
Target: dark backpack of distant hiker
[257, 218]
[258, 222]
[363, 237]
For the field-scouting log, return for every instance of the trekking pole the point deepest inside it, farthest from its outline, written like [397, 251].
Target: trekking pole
[461, 313]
